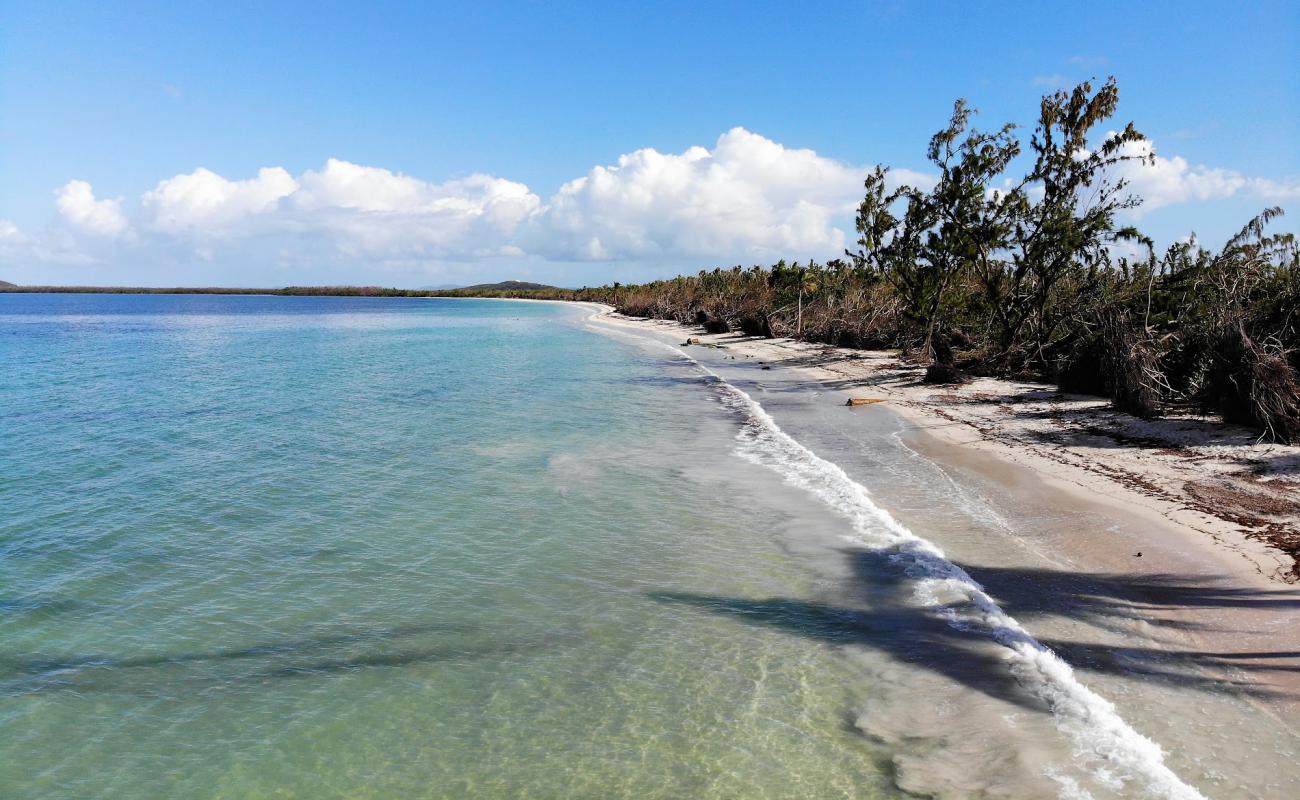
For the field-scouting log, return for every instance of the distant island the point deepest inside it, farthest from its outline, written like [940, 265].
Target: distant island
[501, 289]
[509, 286]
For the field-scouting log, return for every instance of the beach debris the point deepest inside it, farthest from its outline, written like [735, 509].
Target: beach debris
[1139, 555]
[943, 374]
[691, 340]
[863, 401]
[766, 367]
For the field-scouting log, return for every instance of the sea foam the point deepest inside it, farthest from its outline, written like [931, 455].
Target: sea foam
[1106, 745]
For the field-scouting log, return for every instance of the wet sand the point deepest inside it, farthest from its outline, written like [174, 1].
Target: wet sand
[1197, 640]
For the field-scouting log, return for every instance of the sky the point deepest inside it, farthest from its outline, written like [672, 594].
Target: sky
[432, 144]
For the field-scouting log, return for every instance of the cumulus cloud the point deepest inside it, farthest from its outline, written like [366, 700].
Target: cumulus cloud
[362, 211]
[344, 185]
[746, 199]
[1168, 180]
[372, 211]
[52, 245]
[206, 203]
[77, 205]
[1274, 191]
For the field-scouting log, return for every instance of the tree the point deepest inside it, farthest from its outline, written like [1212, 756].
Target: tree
[1063, 219]
[945, 232]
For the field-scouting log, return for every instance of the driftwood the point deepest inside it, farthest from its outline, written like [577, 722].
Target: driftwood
[863, 401]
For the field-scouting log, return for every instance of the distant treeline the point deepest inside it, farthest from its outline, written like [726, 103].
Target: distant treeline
[340, 291]
[506, 289]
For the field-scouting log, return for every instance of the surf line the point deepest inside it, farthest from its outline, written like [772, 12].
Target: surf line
[1090, 720]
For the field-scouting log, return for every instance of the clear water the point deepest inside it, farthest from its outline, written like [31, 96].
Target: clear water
[332, 547]
[395, 548]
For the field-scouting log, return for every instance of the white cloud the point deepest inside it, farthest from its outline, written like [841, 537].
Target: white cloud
[363, 212]
[369, 211]
[12, 240]
[51, 245]
[746, 199]
[1172, 179]
[1274, 191]
[77, 204]
[749, 197]
[206, 203]
[342, 184]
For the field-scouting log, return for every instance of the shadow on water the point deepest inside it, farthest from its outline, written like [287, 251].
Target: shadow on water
[880, 614]
[14, 607]
[355, 650]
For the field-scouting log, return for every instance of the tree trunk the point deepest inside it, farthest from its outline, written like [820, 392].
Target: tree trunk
[927, 349]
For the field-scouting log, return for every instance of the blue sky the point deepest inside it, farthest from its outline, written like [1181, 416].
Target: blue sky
[454, 128]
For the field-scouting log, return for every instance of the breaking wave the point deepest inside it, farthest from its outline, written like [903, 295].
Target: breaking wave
[1106, 745]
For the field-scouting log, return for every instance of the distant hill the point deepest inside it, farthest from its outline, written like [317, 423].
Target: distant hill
[8, 285]
[508, 286]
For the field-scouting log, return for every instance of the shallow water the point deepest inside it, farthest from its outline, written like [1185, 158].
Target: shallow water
[361, 547]
[389, 548]
[1001, 663]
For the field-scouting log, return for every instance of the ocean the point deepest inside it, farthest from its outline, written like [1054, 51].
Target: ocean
[389, 547]
[366, 547]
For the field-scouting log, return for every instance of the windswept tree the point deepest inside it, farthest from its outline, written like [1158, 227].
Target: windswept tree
[892, 224]
[1064, 220]
[971, 218]
[959, 225]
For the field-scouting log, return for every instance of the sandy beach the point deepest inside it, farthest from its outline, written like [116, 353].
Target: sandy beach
[1160, 552]
[1217, 480]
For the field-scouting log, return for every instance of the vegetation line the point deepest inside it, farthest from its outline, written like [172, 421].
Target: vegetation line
[985, 273]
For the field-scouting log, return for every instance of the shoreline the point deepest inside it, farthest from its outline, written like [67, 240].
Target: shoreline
[1204, 591]
[1202, 476]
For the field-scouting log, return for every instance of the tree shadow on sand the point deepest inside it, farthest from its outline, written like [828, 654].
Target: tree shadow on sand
[881, 614]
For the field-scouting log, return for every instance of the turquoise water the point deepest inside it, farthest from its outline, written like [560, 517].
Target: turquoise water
[354, 547]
